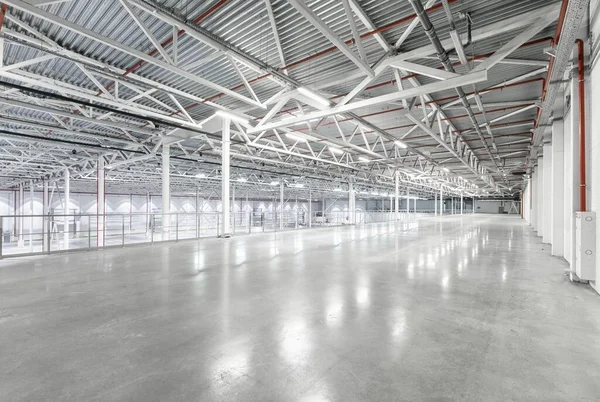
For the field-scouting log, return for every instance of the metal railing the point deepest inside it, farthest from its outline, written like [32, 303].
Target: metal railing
[45, 234]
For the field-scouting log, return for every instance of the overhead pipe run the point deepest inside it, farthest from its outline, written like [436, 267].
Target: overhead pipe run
[582, 158]
[443, 57]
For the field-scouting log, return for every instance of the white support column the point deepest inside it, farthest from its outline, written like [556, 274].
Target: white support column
[473, 205]
[547, 194]
[397, 195]
[540, 197]
[100, 203]
[351, 202]
[148, 211]
[557, 210]
[233, 206]
[281, 202]
[435, 206]
[166, 190]
[225, 156]
[407, 200]
[441, 200]
[31, 216]
[21, 241]
[67, 219]
[461, 203]
[309, 208]
[571, 168]
[533, 205]
[45, 210]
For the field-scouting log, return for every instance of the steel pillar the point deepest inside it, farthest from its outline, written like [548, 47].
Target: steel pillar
[540, 197]
[66, 211]
[309, 208]
[100, 203]
[31, 218]
[45, 210]
[166, 188]
[225, 168]
[281, 201]
[351, 202]
[557, 223]
[21, 241]
[233, 206]
[546, 206]
[397, 194]
[441, 200]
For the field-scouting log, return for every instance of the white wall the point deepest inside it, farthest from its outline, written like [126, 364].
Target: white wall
[492, 207]
[593, 176]
[553, 189]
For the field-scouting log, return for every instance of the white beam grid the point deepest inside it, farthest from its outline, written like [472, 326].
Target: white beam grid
[367, 152]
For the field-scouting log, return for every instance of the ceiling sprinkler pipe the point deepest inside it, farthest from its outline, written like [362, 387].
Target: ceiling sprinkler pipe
[443, 57]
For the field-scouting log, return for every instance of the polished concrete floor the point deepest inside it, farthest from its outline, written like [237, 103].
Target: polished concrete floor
[471, 308]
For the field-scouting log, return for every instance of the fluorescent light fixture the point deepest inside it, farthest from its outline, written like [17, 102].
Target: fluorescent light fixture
[242, 180]
[232, 116]
[460, 177]
[375, 193]
[314, 96]
[295, 137]
[363, 159]
[274, 183]
[336, 150]
[200, 175]
[337, 189]
[400, 144]
[445, 169]
[297, 185]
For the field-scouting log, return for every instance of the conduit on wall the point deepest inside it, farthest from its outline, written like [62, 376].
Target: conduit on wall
[582, 159]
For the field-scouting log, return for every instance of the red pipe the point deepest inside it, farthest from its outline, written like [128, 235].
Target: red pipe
[581, 78]
[561, 21]
[167, 42]
[326, 51]
[3, 9]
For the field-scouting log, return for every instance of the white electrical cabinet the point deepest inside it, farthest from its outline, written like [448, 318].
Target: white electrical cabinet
[585, 245]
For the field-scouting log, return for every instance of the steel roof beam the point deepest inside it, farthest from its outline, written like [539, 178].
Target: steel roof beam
[126, 49]
[466, 79]
[316, 22]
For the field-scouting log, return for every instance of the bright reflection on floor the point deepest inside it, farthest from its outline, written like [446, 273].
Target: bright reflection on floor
[398, 320]
[362, 297]
[334, 314]
[295, 343]
[410, 269]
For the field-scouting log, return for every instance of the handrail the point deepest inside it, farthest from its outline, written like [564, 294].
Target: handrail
[69, 232]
